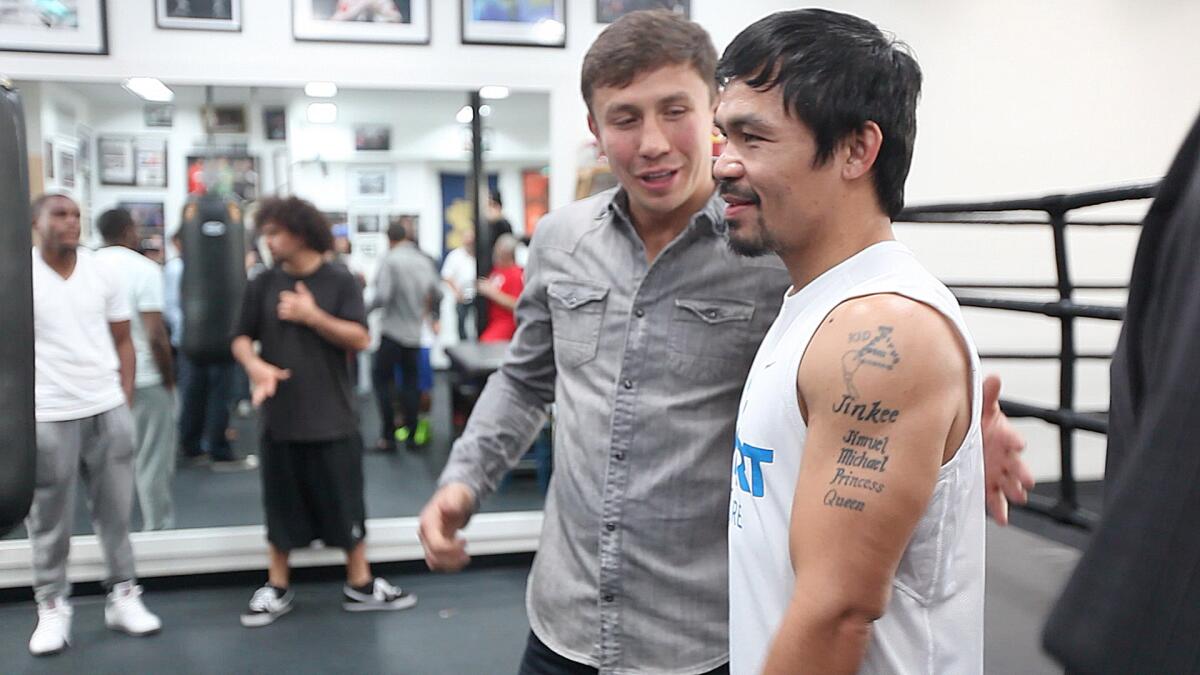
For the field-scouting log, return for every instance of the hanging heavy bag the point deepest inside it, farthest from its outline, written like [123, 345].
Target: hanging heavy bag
[18, 449]
[214, 277]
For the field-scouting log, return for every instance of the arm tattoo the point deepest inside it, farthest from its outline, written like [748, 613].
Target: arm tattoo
[878, 352]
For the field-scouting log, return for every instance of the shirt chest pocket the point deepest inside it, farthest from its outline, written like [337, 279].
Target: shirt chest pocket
[709, 339]
[576, 312]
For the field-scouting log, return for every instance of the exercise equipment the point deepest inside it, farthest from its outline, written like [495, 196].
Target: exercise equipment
[214, 276]
[18, 449]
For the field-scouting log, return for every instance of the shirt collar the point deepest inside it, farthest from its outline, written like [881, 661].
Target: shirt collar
[709, 220]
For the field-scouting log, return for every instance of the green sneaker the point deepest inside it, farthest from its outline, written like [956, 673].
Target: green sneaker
[401, 434]
[421, 435]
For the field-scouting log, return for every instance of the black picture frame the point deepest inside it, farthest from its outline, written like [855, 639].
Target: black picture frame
[96, 11]
[307, 27]
[605, 14]
[274, 123]
[233, 24]
[502, 33]
[159, 115]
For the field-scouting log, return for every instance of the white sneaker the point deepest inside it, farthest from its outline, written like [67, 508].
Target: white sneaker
[383, 596]
[125, 612]
[53, 632]
[266, 605]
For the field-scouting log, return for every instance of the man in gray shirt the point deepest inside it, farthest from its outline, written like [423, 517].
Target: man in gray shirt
[408, 289]
[641, 324]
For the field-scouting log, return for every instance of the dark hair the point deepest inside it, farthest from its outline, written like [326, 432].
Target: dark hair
[113, 224]
[300, 218]
[495, 197]
[39, 203]
[836, 72]
[396, 230]
[643, 41]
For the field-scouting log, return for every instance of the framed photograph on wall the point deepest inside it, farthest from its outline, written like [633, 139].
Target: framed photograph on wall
[64, 157]
[199, 14]
[74, 27]
[369, 183]
[608, 11]
[372, 137]
[390, 21]
[275, 123]
[224, 119]
[532, 23]
[116, 160]
[228, 175]
[159, 115]
[150, 159]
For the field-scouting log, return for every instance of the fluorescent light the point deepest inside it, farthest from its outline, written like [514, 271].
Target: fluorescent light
[322, 113]
[493, 91]
[320, 89]
[149, 88]
[464, 115]
[485, 110]
[549, 31]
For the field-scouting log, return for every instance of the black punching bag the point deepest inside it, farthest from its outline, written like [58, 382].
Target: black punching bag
[214, 277]
[18, 449]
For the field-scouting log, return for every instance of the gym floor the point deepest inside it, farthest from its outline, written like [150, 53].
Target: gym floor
[463, 624]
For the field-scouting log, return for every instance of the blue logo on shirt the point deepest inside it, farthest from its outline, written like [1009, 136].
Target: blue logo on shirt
[743, 453]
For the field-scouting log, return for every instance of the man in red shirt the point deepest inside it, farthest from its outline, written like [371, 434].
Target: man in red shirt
[502, 289]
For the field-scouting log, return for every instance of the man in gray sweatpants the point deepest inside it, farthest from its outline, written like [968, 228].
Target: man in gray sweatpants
[84, 366]
[153, 402]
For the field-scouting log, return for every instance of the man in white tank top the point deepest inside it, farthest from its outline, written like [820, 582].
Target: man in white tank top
[856, 524]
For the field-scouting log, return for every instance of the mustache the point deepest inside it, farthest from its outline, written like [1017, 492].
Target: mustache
[728, 188]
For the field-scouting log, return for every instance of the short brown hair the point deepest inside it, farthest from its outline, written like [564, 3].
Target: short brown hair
[643, 41]
[300, 218]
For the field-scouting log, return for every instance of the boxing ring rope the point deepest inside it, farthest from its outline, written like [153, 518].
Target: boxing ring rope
[1053, 211]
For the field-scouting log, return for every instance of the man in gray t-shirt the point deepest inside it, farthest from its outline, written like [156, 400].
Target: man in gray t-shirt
[408, 290]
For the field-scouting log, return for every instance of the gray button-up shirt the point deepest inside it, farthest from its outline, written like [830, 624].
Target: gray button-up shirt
[407, 287]
[646, 362]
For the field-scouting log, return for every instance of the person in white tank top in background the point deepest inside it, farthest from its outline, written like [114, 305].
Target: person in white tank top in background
[856, 525]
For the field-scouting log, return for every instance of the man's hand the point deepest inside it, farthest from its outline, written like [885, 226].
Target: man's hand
[446, 513]
[1006, 476]
[487, 288]
[264, 380]
[298, 306]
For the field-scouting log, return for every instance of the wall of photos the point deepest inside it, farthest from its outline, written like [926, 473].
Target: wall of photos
[985, 66]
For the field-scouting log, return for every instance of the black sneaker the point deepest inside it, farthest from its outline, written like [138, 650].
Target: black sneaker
[383, 596]
[266, 606]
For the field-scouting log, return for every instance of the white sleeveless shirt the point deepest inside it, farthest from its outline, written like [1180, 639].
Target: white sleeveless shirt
[934, 621]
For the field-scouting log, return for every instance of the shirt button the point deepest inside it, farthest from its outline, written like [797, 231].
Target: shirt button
[610, 526]
[608, 597]
[620, 456]
[712, 313]
[639, 312]
[628, 384]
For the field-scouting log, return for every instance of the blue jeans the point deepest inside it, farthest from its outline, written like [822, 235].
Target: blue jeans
[205, 391]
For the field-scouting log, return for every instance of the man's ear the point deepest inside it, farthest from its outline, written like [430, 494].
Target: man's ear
[863, 149]
[593, 127]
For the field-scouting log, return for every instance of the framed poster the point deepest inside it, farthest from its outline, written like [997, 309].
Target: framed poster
[536, 184]
[224, 119]
[608, 11]
[228, 175]
[159, 115]
[48, 155]
[372, 137]
[116, 160]
[275, 123]
[199, 14]
[531, 23]
[65, 159]
[369, 184]
[150, 158]
[389, 21]
[62, 27]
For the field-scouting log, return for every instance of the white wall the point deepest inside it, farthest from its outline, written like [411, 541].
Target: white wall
[1020, 97]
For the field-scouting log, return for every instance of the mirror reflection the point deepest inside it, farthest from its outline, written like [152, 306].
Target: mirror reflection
[372, 162]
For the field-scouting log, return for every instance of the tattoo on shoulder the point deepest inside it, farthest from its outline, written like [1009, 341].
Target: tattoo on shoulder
[878, 352]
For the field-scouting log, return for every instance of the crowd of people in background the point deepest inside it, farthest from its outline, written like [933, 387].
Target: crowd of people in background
[119, 309]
